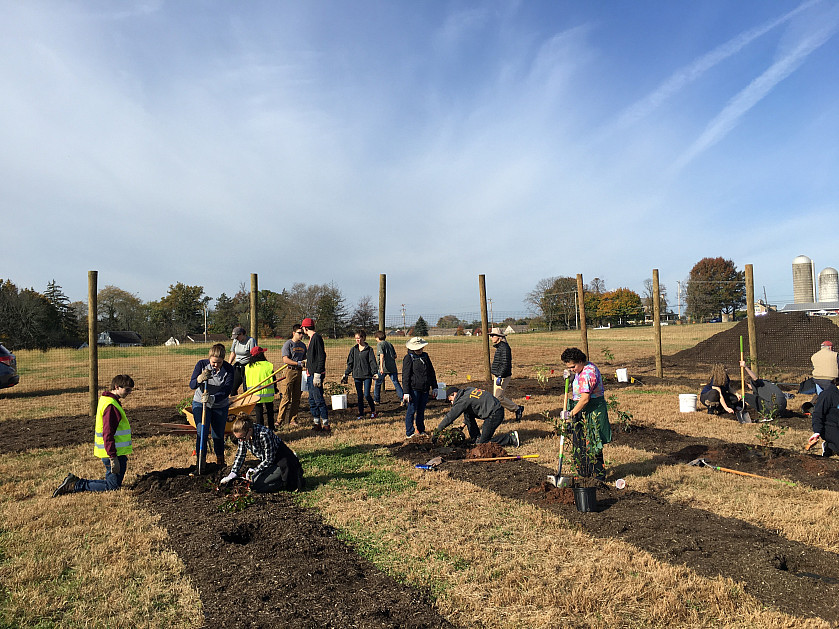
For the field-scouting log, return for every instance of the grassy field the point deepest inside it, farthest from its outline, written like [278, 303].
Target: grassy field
[488, 561]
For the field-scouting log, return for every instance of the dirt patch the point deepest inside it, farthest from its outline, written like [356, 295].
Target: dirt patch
[786, 575]
[274, 564]
[486, 451]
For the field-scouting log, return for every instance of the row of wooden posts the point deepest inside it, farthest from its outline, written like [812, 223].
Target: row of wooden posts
[750, 309]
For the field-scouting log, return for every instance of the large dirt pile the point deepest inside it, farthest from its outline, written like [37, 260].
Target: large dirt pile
[784, 340]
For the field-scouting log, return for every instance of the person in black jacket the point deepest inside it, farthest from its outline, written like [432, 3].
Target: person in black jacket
[418, 378]
[825, 419]
[502, 370]
[361, 362]
[316, 366]
[474, 404]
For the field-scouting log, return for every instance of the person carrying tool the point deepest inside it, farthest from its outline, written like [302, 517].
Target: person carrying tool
[111, 441]
[764, 396]
[294, 357]
[589, 417]
[825, 419]
[475, 404]
[257, 374]
[212, 381]
[502, 371]
[278, 468]
[361, 363]
[240, 355]
[386, 357]
[316, 365]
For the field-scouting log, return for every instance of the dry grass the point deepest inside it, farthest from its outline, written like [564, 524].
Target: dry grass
[489, 561]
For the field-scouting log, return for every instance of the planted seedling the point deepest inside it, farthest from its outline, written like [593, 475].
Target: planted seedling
[622, 418]
[766, 435]
[237, 496]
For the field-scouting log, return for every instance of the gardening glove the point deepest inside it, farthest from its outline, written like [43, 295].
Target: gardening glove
[565, 415]
[498, 381]
[250, 473]
[301, 363]
[205, 397]
[433, 394]
[815, 437]
[566, 374]
[204, 376]
[345, 379]
[316, 379]
[406, 398]
[227, 478]
[116, 468]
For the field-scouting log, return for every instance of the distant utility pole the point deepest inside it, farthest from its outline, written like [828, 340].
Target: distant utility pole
[403, 316]
[491, 319]
[679, 297]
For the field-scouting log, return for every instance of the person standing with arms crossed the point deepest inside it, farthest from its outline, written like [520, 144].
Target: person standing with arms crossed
[316, 365]
[502, 371]
[111, 441]
[294, 357]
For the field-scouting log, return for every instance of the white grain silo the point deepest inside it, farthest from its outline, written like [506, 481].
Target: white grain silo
[803, 280]
[829, 284]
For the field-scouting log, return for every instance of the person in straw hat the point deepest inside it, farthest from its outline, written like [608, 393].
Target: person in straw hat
[418, 378]
[502, 371]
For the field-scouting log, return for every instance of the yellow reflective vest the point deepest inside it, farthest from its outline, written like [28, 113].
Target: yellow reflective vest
[256, 375]
[122, 437]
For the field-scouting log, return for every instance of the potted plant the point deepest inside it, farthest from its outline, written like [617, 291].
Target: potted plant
[338, 394]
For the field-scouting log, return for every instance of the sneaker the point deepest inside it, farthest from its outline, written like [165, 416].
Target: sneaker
[515, 437]
[67, 486]
[826, 449]
[519, 413]
[360, 417]
[412, 435]
[373, 415]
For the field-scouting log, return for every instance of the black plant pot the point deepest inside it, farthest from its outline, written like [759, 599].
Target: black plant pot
[585, 498]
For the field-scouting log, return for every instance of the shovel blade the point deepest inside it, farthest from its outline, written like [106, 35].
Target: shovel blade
[743, 417]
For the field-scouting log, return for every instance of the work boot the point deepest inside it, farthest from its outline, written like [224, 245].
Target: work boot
[67, 486]
[220, 459]
[826, 449]
[519, 412]
[316, 427]
[326, 428]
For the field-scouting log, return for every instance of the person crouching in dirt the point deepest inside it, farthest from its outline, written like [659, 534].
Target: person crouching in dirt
[764, 396]
[825, 420]
[717, 395]
[589, 417]
[111, 441]
[475, 404]
[278, 468]
[212, 381]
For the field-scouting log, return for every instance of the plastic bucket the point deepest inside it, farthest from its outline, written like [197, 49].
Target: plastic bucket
[441, 390]
[585, 498]
[687, 402]
[339, 402]
[622, 374]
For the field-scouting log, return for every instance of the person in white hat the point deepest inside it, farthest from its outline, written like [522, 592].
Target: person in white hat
[502, 371]
[418, 378]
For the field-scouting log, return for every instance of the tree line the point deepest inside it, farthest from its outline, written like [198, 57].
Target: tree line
[713, 288]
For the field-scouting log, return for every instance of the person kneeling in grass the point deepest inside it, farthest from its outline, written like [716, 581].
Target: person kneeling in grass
[111, 441]
[279, 467]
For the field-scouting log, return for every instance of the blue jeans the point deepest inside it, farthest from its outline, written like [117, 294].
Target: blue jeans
[217, 420]
[112, 481]
[364, 383]
[380, 384]
[317, 405]
[416, 412]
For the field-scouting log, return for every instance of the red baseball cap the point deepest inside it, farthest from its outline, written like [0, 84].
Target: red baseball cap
[255, 351]
[827, 344]
[307, 323]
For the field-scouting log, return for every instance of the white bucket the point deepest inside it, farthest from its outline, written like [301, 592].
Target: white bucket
[441, 390]
[622, 374]
[339, 402]
[687, 402]
[304, 382]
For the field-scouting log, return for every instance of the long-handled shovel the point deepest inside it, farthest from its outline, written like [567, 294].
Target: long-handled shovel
[742, 415]
[559, 480]
[502, 458]
[202, 439]
[704, 463]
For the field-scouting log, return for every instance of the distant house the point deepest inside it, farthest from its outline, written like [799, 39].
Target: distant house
[515, 329]
[119, 339]
[435, 331]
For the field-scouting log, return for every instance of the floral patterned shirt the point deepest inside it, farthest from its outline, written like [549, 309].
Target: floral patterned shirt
[588, 381]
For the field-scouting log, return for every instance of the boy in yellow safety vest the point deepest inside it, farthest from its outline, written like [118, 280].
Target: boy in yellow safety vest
[111, 441]
[257, 375]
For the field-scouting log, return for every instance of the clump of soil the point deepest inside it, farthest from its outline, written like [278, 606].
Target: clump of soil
[784, 340]
[549, 494]
[486, 451]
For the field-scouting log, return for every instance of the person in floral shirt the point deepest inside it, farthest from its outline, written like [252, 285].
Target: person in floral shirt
[589, 416]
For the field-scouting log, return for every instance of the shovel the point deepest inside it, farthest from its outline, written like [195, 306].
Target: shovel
[559, 480]
[202, 441]
[742, 415]
[704, 463]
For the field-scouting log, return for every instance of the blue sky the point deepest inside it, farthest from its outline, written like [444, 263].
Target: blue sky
[317, 142]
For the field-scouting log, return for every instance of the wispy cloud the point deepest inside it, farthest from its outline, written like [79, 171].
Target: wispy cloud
[758, 89]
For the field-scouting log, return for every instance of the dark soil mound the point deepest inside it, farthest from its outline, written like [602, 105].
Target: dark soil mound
[784, 341]
[486, 451]
[274, 564]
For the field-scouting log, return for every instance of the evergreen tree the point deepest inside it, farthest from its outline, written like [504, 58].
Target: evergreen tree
[421, 327]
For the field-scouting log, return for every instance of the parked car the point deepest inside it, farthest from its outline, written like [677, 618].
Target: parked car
[8, 369]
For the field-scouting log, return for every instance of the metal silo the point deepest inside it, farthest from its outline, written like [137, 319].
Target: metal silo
[829, 284]
[803, 280]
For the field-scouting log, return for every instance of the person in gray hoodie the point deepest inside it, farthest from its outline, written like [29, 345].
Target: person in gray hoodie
[361, 363]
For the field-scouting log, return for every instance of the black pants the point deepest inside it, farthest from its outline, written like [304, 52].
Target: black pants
[238, 377]
[285, 474]
[487, 431]
[265, 410]
[712, 398]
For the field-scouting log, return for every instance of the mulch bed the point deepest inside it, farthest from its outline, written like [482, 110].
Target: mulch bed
[274, 564]
[789, 576]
